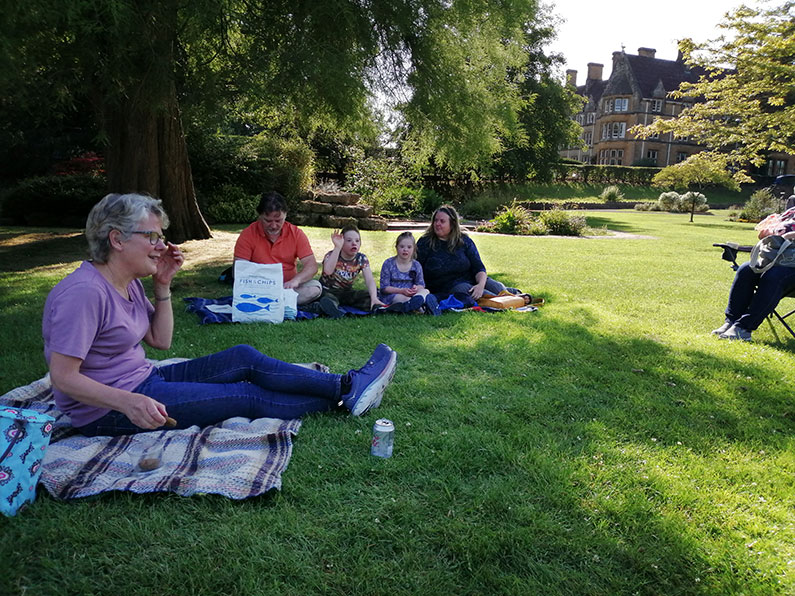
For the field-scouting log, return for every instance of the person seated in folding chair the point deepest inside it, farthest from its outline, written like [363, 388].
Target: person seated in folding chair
[753, 296]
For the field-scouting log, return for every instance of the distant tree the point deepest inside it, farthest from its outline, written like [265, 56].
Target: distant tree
[697, 172]
[139, 60]
[546, 117]
[748, 111]
[690, 201]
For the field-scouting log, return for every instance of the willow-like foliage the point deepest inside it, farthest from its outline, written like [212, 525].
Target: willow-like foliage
[448, 65]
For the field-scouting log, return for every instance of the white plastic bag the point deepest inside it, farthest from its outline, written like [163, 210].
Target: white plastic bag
[258, 293]
[290, 304]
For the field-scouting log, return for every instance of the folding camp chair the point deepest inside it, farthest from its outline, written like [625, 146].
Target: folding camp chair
[730, 250]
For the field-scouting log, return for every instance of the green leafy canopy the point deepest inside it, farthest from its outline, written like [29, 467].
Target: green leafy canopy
[748, 110]
[317, 63]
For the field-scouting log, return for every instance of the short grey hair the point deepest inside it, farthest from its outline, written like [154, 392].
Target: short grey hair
[121, 212]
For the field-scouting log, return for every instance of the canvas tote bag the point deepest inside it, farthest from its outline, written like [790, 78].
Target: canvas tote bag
[258, 293]
[24, 437]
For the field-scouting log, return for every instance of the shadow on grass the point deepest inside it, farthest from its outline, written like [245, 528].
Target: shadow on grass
[570, 438]
[738, 228]
[597, 221]
[31, 248]
[553, 435]
[541, 457]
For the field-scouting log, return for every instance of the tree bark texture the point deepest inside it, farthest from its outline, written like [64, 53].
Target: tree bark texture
[147, 151]
[148, 154]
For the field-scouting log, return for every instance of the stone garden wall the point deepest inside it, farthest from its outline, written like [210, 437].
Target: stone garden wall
[336, 210]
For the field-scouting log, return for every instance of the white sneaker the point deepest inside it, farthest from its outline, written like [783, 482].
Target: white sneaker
[722, 329]
[736, 332]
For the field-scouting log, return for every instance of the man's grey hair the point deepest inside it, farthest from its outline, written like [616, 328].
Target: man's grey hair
[118, 212]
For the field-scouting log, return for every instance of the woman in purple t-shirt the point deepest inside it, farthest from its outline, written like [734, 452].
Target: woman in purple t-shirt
[95, 319]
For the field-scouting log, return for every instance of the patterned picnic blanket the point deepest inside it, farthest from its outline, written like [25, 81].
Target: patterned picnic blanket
[238, 458]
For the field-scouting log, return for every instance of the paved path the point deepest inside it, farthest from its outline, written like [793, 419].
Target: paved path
[418, 227]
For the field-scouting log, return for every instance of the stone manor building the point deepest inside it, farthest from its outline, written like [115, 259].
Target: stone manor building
[637, 93]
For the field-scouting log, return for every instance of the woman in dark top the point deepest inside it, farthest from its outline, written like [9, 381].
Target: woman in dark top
[450, 260]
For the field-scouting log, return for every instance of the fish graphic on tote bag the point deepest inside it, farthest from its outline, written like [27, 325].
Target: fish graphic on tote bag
[258, 293]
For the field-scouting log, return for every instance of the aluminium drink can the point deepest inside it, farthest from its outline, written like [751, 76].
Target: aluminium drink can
[383, 438]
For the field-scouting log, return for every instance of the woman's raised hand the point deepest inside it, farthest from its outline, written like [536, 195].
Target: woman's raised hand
[170, 262]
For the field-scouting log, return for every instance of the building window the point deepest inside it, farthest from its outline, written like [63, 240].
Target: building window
[652, 154]
[590, 117]
[656, 105]
[621, 104]
[681, 156]
[579, 119]
[776, 167]
[589, 138]
[614, 130]
[612, 157]
[608, 105]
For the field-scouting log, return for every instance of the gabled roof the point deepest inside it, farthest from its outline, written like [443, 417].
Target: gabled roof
[653, 75]
[620, 82]
[592, 91]
[639, 75]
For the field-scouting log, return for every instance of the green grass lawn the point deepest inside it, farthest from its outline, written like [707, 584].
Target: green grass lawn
[607, 444]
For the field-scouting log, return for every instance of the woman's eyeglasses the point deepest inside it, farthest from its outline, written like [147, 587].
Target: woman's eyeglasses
[153, 236]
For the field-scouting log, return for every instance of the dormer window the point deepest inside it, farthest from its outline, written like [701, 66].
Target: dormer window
[590, 117]
[621, 104]
[656, 105]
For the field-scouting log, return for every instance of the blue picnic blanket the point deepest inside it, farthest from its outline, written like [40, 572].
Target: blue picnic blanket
[219, 310]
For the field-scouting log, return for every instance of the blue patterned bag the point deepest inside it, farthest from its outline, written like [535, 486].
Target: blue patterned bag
[24, 436]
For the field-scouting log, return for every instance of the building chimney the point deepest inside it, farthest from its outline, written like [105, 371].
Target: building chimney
[595, 71]
[647, 52]
[571, 78]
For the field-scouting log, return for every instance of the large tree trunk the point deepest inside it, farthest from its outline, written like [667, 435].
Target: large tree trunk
[148, 154]
[147, 151]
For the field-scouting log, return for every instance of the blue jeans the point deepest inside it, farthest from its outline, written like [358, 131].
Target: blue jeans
[239, 381]
[753, 296]
[492, 287]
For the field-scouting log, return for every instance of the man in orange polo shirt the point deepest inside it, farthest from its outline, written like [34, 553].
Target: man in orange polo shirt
[271, 239]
